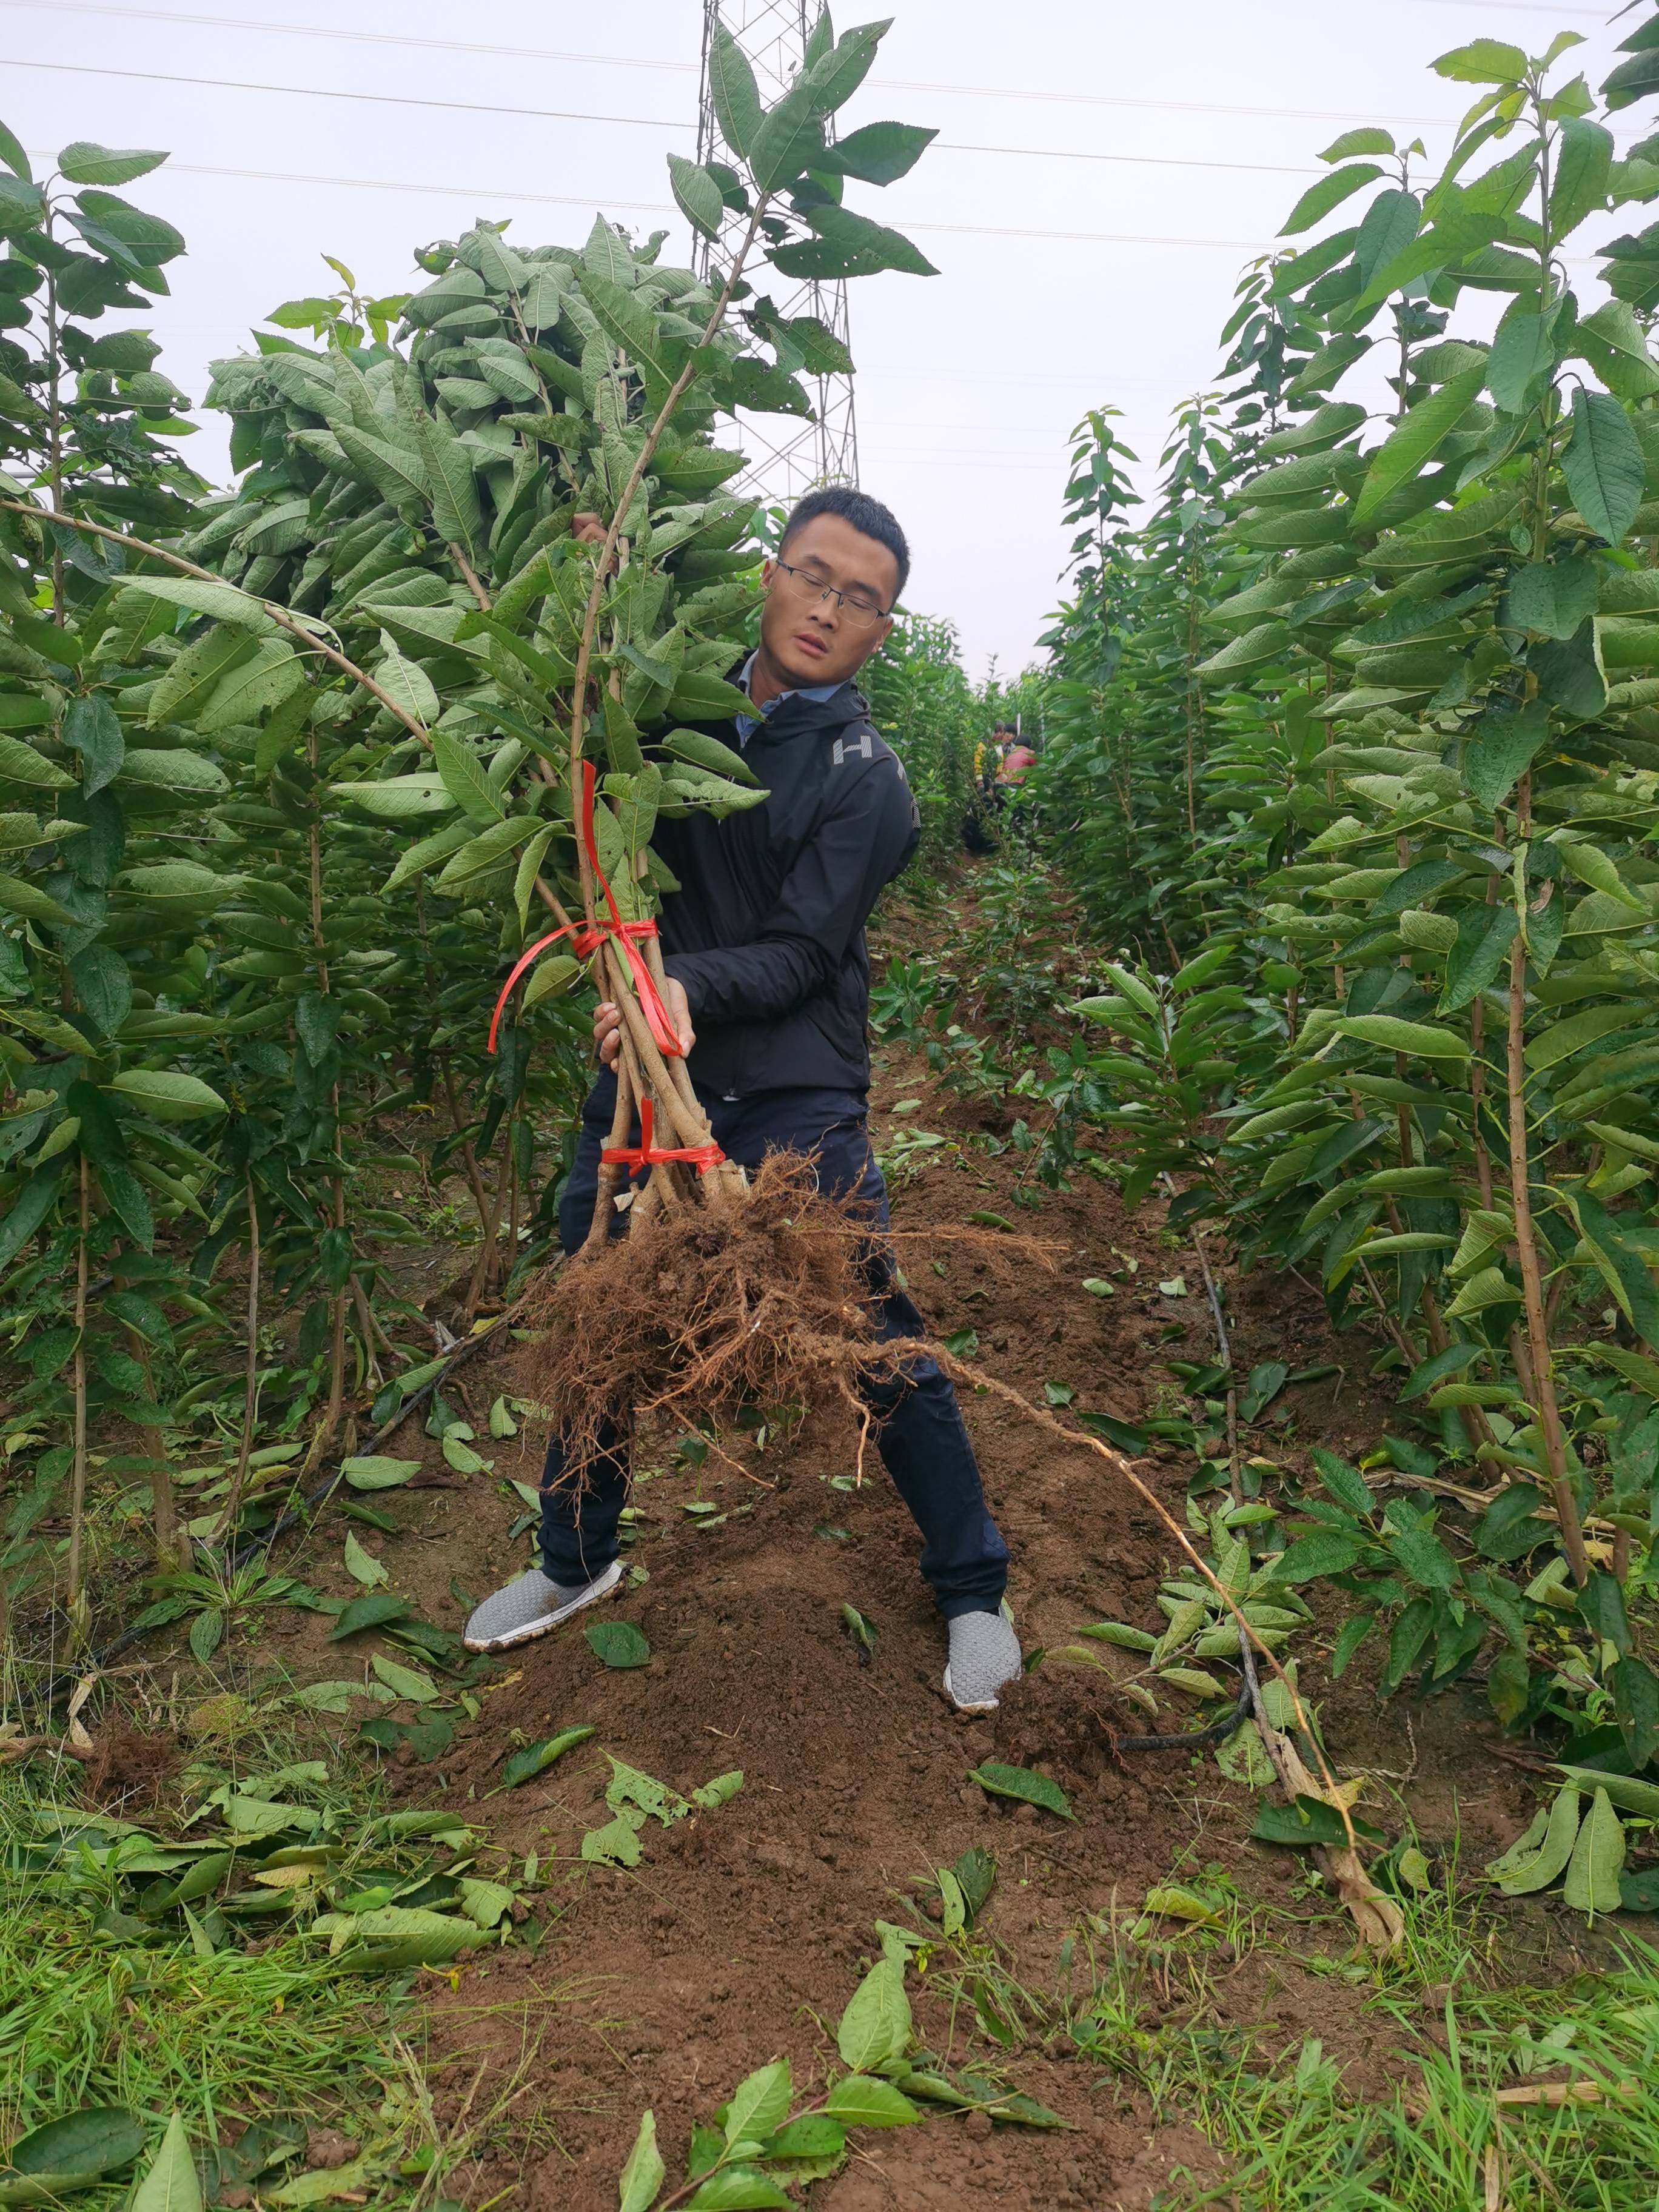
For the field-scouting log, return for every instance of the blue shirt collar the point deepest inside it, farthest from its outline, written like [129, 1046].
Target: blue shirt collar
[748, 724]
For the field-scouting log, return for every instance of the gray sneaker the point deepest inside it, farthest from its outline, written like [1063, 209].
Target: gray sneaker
[531, 1607]
[984, 1656]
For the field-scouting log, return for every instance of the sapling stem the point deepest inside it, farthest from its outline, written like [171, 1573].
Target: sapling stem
[78, 1476]
[1526, 1245]
[250, 1374]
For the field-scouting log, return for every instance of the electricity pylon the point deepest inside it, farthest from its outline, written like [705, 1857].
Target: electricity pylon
[789, 456]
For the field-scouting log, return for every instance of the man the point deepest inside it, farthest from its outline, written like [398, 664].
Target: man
[769, 982]
[1017, 759]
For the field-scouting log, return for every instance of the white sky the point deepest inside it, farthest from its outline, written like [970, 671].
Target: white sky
[970, 381]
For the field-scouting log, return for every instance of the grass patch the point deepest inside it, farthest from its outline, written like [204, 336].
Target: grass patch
[1472, 2093]
[231, 2010]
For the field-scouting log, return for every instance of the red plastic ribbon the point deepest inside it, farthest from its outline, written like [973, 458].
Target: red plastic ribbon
[587, 937]
[645, 1154]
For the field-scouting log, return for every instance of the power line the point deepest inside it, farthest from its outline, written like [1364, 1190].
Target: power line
[643, 62]
[363, 99]
[661, 207]
[651, 122]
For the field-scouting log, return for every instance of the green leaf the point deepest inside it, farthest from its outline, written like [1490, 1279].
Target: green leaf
[1523, 1849]
[456, 515]
[1636, 1706]
[398, 1936]
[69, 2153]
[860, 2101]
[406, 682]
[22, 764]
[1309, 1821]
[362, 1566]
[1603, 465]
[171, 2183]
[1423, 1557]
[759, 2104]
[1328, 1552]
[642, 2176]
[835, 77]
[413, 1683]
[1623, 1264]
[1598, 1855]
[1550, 1860]
[732, 83]
[205, 1633]
[850, 245]
[1584, 158]
[222, 602]
[534, 1758]
[20, 896]
[166, 1097]
[696, 194]
[373, 1472]
[721, 1790]
[464, 778]
[618, 1643]
[1553, 597]
[1352, 1635]
[82, 162]
[1368, 139]
[1628, 1791]
[1484, 61]
[702, 751]
[1523, 352]
[739, 2189]
[1330, 191]
[1613, 344]
[90, 729]
[1345, 1484]
[1408, 449]
[12, 153]
[1019, 1783]
[879, 153]
[1419, 1040]
[1119, 1632]
[618, 1843]
[374, 1611]
[875, 2025]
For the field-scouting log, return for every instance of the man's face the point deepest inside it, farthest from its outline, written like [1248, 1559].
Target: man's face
[812, 640]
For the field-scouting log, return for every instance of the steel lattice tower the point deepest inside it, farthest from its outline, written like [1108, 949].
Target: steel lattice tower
[790, 460]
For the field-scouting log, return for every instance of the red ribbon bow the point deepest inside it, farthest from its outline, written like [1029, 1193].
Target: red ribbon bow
[645, 1154]
[587, 937]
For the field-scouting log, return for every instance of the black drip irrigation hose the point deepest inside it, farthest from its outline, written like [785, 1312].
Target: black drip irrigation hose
[1217, 1732]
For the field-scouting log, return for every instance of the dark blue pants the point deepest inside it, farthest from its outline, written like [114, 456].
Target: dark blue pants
[921, 1438]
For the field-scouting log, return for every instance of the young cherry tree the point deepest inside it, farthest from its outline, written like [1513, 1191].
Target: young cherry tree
[532, 686]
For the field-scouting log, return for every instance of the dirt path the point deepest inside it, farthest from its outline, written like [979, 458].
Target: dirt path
[744, 1929]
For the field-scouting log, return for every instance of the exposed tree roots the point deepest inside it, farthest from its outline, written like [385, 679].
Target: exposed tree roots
[761, 1298]
[758, 1298]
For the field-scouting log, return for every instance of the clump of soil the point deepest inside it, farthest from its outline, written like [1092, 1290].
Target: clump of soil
[757, 1300]
[129, 1768]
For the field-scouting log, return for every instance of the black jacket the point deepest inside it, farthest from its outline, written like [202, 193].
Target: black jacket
[767, 931]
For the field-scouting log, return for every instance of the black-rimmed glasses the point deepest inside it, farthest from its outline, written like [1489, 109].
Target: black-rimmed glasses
[806, 585]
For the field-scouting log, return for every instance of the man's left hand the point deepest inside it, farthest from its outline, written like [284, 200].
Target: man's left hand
[607, 1023]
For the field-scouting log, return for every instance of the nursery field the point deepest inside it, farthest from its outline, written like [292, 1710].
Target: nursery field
[1265, 1103]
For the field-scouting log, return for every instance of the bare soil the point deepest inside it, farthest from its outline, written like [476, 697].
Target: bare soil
[743, 1932]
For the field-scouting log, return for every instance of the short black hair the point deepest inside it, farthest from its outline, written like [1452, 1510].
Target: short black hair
[867, 516]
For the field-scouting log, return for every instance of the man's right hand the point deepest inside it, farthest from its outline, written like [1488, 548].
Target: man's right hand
[607, 1023]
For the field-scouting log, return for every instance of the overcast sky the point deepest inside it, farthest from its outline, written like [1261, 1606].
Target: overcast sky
[1104, 169]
